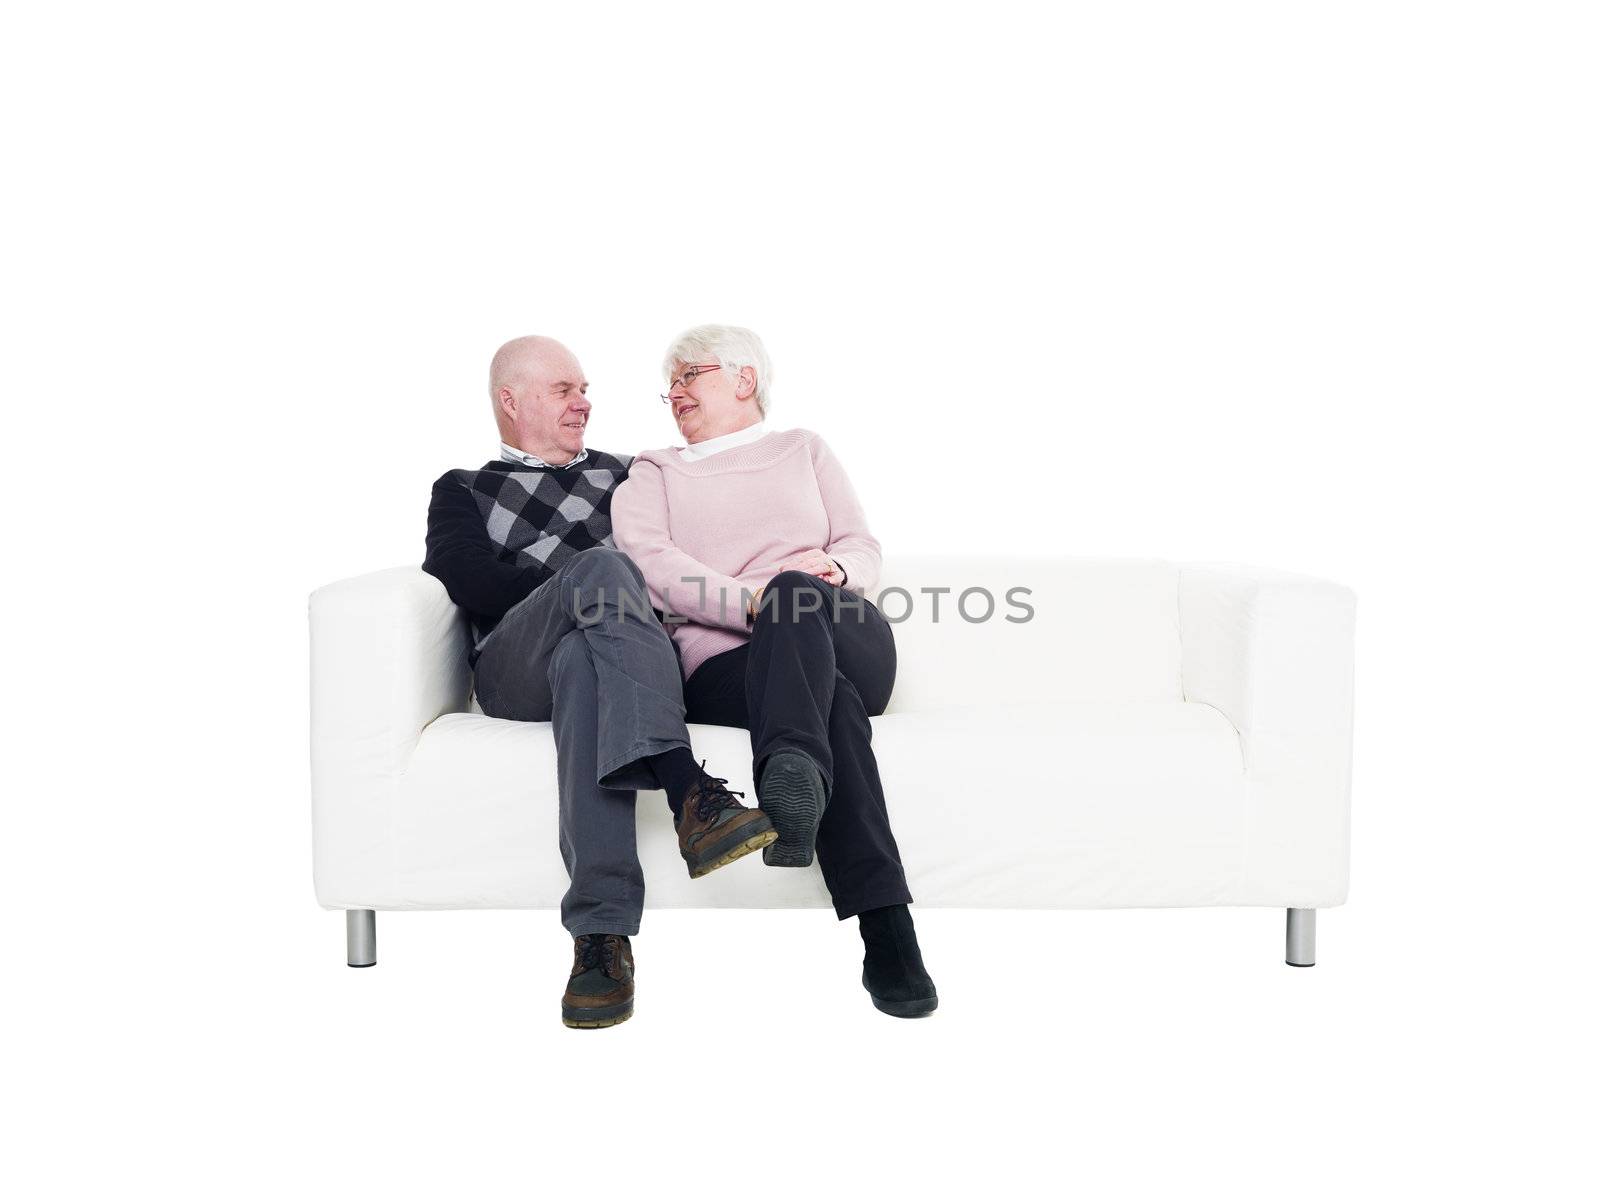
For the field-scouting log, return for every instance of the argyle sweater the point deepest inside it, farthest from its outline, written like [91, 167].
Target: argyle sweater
[497, 533]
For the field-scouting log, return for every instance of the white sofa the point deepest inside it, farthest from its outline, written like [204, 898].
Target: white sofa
[1161, 735]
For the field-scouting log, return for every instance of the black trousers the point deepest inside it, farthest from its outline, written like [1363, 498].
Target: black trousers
[819, 662]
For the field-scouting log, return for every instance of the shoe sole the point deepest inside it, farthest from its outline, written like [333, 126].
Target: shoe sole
[905, 1008]
[744, 842]
[596, 1018]
[791, 794]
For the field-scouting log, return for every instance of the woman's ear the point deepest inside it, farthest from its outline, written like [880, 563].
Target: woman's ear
[746, 386]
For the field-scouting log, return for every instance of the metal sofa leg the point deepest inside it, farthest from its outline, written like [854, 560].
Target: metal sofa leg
[1300, 945]
[361, 937]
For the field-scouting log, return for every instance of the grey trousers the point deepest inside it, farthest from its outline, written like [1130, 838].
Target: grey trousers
[585, 652]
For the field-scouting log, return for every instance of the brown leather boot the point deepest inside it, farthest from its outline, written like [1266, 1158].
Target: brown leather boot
[600, 989]
[714, 828]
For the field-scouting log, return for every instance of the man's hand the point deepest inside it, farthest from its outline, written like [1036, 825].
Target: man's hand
[813, 562]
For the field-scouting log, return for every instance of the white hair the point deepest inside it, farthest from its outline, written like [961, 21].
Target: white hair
[731, 346]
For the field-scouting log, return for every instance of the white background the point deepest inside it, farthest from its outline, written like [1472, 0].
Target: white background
[1312, 287]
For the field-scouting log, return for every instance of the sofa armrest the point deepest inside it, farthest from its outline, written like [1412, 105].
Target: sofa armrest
[388, 656]
[1274, 653]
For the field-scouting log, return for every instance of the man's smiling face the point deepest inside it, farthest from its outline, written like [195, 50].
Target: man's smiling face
[548, 409]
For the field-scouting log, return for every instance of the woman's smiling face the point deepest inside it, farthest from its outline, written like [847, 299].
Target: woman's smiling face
[708, 400]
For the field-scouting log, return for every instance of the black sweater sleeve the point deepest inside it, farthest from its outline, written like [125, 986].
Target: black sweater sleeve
[463, 558]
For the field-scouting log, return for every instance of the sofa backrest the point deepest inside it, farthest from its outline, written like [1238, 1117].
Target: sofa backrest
[1100, 629]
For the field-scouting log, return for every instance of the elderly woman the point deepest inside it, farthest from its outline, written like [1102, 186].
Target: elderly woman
[754, 541]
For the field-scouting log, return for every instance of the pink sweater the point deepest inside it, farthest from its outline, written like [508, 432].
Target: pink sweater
[729, 520]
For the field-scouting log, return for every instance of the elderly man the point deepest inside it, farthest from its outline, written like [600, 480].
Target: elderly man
[563, 632]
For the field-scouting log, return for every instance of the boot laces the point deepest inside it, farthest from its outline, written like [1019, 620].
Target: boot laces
[597, 950]
[713, 797]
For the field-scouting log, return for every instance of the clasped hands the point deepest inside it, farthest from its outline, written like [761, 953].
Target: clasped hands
[812, 562]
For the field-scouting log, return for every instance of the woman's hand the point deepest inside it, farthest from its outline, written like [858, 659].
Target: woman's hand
[813, 562]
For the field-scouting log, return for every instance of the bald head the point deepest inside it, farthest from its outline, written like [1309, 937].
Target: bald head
[522, 361]
[539, 394]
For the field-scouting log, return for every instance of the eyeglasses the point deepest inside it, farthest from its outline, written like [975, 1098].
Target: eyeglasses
[688, 378]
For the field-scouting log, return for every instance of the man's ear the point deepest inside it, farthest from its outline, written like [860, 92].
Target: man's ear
[508, 404]
[747, 383]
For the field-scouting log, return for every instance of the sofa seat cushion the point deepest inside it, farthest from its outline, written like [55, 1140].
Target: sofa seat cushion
[1062, 805]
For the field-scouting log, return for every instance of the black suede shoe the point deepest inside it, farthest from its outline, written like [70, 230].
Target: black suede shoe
[791, 792]
[892, 971]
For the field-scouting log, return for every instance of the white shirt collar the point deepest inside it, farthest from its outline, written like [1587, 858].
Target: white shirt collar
[716, 445]
[509, 453]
